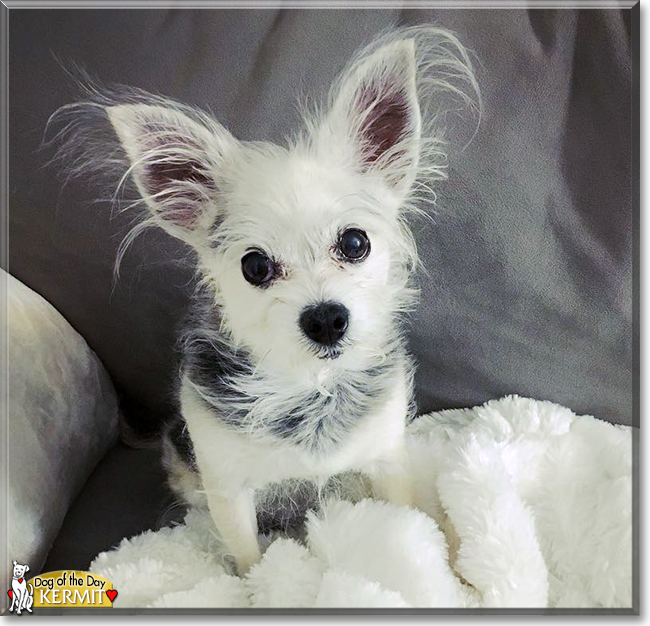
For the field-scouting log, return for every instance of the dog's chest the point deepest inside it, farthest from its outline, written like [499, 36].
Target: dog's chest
[317, 420]
[258, 458]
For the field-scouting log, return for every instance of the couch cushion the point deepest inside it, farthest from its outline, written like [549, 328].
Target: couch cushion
[63, 417]
[529, 257]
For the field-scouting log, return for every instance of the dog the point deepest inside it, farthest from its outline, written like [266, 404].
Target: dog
[21, 598]
[294, 361]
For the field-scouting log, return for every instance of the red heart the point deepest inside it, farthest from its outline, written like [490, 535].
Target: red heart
[111, 593]
[20, 580]
[11, 594]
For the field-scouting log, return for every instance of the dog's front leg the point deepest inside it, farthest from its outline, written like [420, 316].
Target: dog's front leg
[231, 504]
[23, 600]
[19, 602]
[391, 478]
[235, 519]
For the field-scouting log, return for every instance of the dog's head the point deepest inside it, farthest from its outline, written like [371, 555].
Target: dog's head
[306, 246]
[20, 570]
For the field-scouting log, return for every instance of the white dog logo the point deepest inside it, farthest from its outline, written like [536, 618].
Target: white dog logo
[21, 598]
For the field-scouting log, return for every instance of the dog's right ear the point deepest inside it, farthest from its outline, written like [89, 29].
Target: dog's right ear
[176, 164]
[375, 105]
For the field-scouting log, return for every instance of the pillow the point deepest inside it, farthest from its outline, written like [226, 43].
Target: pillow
[63, 418]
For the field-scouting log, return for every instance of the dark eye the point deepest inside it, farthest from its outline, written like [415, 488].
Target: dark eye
[353, 245]
[257, 268]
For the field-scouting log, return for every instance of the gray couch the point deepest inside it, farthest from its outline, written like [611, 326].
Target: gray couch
[529, 259]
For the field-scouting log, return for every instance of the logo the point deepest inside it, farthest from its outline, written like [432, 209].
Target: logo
[21, 592]
[66, 588]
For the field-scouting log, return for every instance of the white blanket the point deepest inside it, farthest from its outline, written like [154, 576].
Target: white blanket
[522, 504]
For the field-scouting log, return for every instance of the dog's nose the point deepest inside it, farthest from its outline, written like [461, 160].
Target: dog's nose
[325, 323]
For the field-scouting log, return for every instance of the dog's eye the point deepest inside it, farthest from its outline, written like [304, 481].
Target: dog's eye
[354, 245]
[257, 268]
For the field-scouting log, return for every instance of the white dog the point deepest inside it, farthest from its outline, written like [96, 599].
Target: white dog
[21, 598]
[294, 365]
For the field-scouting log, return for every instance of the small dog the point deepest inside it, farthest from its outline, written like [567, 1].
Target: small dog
[294, 365]
[21, 598]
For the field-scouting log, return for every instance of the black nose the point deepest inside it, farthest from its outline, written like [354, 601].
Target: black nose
[325, 323]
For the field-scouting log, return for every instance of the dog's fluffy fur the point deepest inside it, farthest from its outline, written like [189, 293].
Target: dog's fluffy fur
[260, 401]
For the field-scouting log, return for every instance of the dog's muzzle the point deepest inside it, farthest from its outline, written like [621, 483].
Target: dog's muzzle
[325, 323]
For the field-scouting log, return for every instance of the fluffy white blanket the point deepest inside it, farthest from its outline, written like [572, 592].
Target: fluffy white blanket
[522, 504]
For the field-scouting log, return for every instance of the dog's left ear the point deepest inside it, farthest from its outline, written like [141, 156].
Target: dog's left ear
[176, 163]
[26, 568]
[375, 105]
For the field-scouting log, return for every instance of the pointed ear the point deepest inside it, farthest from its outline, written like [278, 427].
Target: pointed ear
[376, 106]
[175, 163]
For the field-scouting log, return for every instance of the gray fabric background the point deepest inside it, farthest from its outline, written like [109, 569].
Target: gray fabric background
[529, 260]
